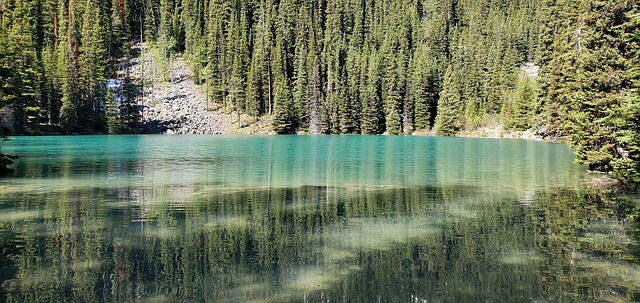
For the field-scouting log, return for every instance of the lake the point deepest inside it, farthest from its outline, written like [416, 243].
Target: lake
[309, 219]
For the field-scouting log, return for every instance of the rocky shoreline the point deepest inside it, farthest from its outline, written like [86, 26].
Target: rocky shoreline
[178, 105]
[497, 132]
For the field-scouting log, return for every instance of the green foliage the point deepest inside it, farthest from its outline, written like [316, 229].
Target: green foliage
[450, 106]
[342, 66]
[5, 160]
[282, 120]
[425, 88]
[592, 85]
[626, 121]
[325, 50]
[371, 100]
[122, 113]
[523, 108]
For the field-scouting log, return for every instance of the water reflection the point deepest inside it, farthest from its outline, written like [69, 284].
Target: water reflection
[342, 232]
[282, 162]
[362, 246]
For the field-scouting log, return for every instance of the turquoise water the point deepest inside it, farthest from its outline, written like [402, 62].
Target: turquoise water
[309, 219]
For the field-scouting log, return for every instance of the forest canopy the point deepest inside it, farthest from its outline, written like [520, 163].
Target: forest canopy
[342, 66]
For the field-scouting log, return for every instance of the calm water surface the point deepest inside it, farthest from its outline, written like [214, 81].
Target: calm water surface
[309, 219]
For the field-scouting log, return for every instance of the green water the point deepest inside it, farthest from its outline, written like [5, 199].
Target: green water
[309, 219]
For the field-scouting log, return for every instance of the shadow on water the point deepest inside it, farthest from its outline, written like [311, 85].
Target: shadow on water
[315, 219]
[318, 243]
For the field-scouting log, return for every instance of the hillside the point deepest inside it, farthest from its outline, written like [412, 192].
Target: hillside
[397, 67]
[178, 106]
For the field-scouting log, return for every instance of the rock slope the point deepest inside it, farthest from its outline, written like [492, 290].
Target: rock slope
[178, 106]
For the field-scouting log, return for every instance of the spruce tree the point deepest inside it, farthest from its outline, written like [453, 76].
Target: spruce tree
[22, 51]
[607, 75]
[626, 122]
[300, 71]
[315, 83]
[424, 88]
[7, 90]
[522, 109]
[350, 122]
[93, 60]
[238, 74]
[283, 110]
[450, 105]
[370, 96]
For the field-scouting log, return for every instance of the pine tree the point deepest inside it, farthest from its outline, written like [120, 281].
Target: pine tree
[120, 34]
[608, 77]
[333, 60]
[350, 122]
[7, 72]
[259, 78]
[450, 106]
[424, 88]
[50, 85]
[315, 84]
[371, 99]
[93, 60]
[561, 61]
[7, 90]
[522, 110]
[300, 71]
[67, 66]
[25, 80]
[238, 74]
[392, 95]
[256, 93]
[214, 69]
[283, 109]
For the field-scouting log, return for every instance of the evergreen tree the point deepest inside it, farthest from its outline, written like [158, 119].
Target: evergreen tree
[259, 85]
[523, 108]
[450, 106]
[300, 72]
[7, 90]
[68, 65]
[371, 99]
[626, 122]
[608, 77]
[424, 88]
[238, 74]
[121, 35]
[26, 65]
[350, 119]
[283, 110]
[333, 60]
[341, 66]
[93, 60]
[315, 84]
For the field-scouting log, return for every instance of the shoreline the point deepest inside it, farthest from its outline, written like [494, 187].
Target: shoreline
[496, 132]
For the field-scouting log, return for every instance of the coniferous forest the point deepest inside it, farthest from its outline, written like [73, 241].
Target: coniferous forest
[566, 68]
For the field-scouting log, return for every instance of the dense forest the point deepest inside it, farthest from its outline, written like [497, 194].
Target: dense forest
[565, 68]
